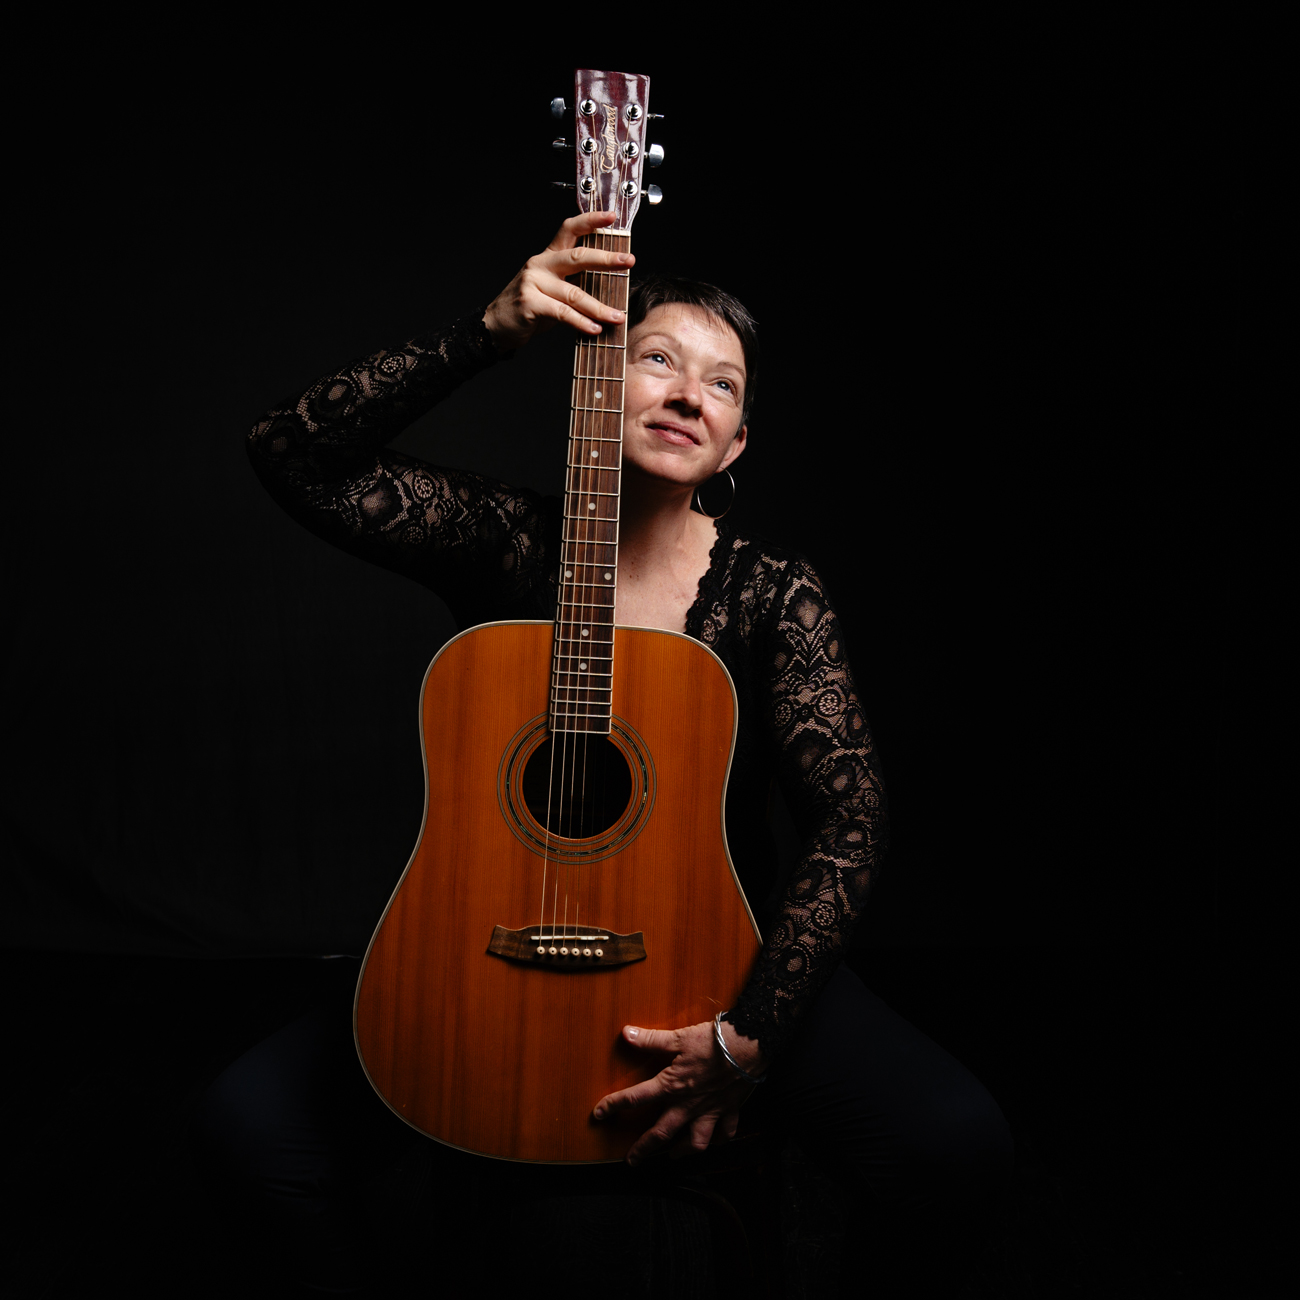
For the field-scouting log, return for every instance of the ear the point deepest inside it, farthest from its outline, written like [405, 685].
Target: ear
[737, 446]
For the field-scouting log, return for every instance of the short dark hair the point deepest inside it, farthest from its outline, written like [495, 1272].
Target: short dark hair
[665, 290]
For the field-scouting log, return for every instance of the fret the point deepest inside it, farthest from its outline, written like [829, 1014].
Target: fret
[604, 586]
[610, 410]
[568, 624]
[587, 604]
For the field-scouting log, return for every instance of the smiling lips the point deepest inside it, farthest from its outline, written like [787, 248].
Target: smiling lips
[661, 426]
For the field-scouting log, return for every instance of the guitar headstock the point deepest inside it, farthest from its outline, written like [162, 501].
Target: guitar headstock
[610, 113]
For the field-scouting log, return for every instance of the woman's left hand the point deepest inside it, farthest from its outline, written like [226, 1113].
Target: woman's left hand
[699, 1092]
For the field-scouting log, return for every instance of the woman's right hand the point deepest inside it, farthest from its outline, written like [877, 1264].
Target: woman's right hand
[541, 293]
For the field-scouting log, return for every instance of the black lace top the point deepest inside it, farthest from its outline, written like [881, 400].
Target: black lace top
[492, 552]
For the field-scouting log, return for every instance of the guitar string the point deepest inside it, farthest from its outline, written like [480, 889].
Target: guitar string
[575, 550]
[584, 418]
[590, 382]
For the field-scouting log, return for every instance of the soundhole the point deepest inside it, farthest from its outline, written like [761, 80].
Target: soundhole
[577, 788]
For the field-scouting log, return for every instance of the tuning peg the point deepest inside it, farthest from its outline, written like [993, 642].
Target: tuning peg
[654, 155]
[654, 117]
[653, 195]
[562, 185]
[558, 108]
[560, 143]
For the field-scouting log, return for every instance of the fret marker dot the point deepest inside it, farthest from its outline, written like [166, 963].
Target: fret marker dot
[591, 505]
[583, 667]
[599, 393]
[595, 455]
[584, 631]
[609, 577]
[568, 573]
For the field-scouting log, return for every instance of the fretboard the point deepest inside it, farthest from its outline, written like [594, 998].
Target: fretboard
[583, 664]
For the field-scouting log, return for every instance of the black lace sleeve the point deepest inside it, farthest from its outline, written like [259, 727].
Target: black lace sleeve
[480, 545]
[831, 779]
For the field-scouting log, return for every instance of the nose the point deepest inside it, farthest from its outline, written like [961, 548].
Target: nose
[687, 391]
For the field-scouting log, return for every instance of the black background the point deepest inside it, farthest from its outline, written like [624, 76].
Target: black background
[999, 285]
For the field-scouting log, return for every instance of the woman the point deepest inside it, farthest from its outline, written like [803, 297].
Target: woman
[892, 1112]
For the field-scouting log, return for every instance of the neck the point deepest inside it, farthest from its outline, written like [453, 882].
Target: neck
[582, 669]
[657, 522]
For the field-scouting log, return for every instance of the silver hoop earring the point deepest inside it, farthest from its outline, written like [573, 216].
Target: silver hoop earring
[713, 487]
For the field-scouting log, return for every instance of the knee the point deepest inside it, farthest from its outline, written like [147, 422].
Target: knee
[965, 1147]
[226, 1134]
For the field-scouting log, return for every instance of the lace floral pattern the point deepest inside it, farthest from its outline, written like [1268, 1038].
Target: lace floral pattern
[491, 552]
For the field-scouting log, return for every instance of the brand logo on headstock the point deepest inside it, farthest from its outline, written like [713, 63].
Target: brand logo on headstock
[609, 159]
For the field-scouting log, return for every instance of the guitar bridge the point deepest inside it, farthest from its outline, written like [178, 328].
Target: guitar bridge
[588, 948]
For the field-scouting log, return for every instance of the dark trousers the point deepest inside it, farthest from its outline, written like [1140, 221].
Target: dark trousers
[291, 1130]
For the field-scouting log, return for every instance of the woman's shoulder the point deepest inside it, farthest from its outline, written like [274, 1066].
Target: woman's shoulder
[761, 564]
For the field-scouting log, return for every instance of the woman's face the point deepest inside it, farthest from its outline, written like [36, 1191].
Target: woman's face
[684, 395]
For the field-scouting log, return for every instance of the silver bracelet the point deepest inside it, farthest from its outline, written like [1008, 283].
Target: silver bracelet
[731, 1060]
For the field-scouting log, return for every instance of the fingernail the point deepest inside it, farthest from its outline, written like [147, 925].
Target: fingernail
[632, 1031]
[625, 258]
[600, 1112]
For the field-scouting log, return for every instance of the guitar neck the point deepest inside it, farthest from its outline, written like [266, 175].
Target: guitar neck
[584, 622]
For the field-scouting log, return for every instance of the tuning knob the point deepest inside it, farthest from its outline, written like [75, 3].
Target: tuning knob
[558, 108]
[560, 143]
[654, 155]
[653, 195]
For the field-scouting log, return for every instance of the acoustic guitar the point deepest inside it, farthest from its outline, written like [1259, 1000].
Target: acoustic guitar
[571, 874]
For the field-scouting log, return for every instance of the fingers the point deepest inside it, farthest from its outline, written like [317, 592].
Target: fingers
[546, 289]
[680, 1133]
[653, 1040]
[638, 1095]
[585, 223]
[665, 1131]
[542, 294]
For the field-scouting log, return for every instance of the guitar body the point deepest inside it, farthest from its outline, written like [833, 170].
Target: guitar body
[504, 1052]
